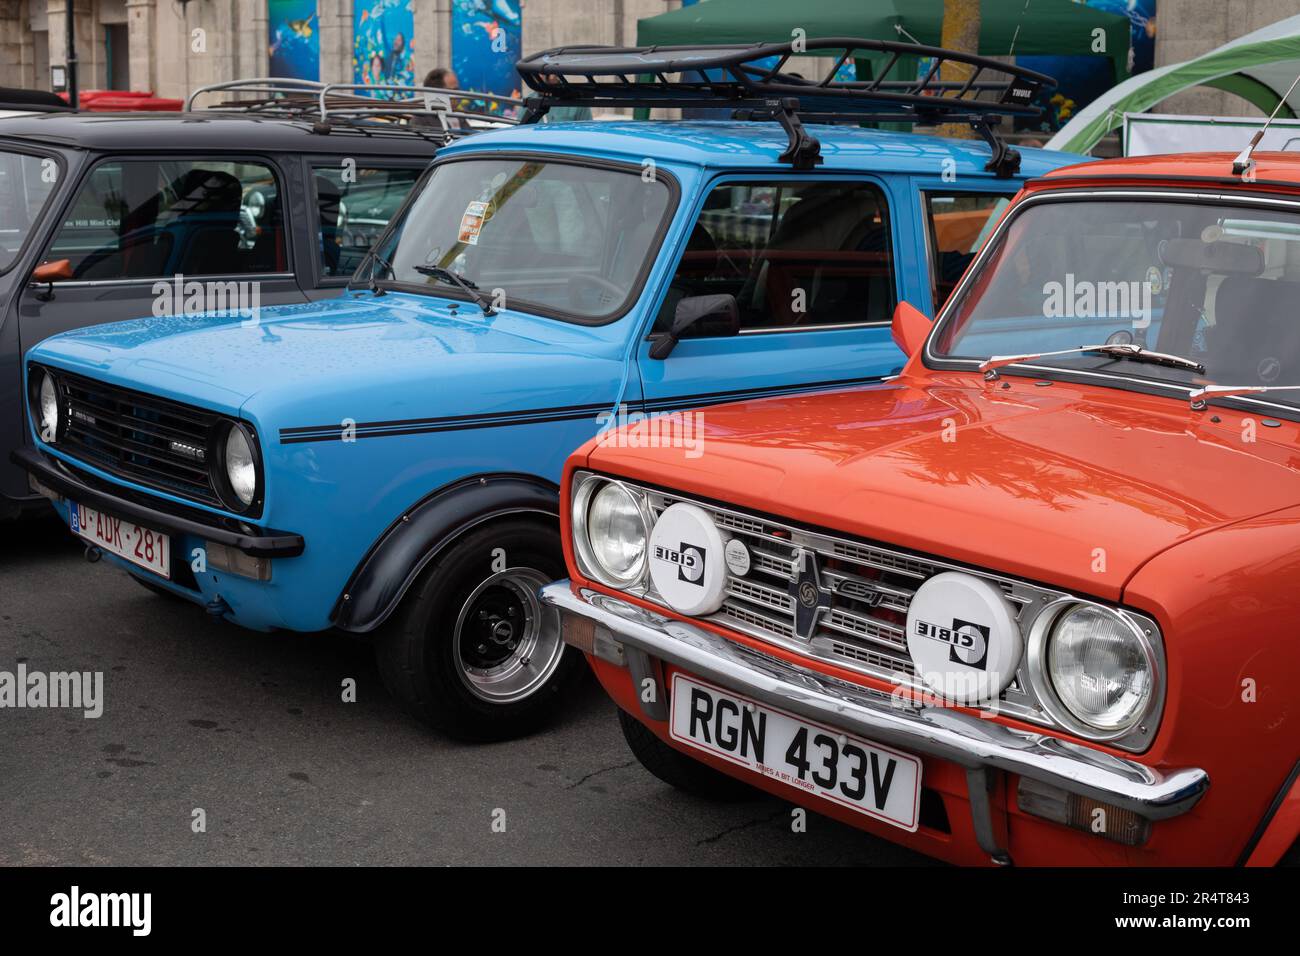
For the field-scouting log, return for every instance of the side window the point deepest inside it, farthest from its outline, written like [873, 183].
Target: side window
[956, 224]
[793, 254]
[354, 207]
[142, 219]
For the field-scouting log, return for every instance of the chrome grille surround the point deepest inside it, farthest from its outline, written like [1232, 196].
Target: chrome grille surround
[866, 579]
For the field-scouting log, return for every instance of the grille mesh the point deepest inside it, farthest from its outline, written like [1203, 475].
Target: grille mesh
[148, 440]
[865, 626]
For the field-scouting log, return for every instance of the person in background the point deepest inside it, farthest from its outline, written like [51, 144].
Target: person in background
[441, 78]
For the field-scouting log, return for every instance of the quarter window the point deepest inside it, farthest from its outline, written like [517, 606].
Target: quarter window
[956, 223]
[143, 219]
[793, 254]
[354, 207]
[25, 184]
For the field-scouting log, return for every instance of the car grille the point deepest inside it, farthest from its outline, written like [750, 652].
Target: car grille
[152, 441]
[864, 629]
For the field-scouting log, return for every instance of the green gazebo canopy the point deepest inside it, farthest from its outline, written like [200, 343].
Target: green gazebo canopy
[1049, 27]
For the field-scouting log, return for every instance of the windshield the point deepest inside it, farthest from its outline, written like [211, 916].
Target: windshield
[562, 239]
[25, 184]
[1214, 283]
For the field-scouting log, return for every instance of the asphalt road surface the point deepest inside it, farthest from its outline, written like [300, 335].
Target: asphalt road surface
[252, 729]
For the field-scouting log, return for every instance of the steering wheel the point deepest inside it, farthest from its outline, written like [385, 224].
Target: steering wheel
[617, 292]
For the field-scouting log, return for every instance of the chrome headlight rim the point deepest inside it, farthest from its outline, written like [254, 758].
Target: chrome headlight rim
[585, 488]
[229, 497]
[37, 378]
[1037, 648]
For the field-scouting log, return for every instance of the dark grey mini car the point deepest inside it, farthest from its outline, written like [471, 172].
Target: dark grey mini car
[280, 187]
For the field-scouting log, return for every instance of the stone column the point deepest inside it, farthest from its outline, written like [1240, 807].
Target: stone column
[432, 36]
[16, 53]
[141, 24]
[335, 20]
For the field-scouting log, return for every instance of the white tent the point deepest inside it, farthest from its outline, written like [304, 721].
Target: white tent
[1260, 67]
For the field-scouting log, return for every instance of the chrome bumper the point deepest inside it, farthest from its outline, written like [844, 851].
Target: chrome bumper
[975, 743]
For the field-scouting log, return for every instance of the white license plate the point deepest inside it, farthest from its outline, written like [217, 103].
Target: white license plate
[143, 547]
[820, 760]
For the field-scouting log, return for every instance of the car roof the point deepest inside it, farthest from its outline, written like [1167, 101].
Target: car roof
[207, 130]
[1270, 166]
[746, 144]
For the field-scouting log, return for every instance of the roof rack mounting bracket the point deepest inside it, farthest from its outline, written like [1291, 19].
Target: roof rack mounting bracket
[1005, 161]
[535, 108]
[804, 150]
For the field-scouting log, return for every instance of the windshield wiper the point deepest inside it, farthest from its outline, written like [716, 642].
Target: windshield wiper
[1200, 396]
[455, 278]
[1127, 350]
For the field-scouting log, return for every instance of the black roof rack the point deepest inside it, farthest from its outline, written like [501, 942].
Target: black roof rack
[426, 111]
[639, 76]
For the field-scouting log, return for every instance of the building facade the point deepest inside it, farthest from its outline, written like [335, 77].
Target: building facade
[170, 47]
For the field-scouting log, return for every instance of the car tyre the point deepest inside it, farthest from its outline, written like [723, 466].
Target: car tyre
[678, 770]
[471, 651]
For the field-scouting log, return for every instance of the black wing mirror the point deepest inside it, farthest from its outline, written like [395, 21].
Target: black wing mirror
[714, 314]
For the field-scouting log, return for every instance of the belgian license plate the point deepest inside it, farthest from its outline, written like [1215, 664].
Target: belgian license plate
[820, 760]
[143, 547]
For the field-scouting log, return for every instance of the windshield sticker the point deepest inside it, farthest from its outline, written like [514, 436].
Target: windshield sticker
[1156, 280]
[471, 223]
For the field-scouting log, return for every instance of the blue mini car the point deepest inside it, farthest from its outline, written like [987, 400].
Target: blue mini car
[387, 461]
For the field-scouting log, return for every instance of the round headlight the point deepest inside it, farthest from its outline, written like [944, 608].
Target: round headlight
[1100, 668]
[615, 535]
[241, 465]
[48, 408]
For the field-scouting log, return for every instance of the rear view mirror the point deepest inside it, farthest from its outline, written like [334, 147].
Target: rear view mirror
[50, 273]
[1221, 258]
[711, 314]
[53, 271]
[909, 328]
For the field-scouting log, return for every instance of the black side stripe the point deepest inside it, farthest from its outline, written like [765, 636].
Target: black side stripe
[538, 416]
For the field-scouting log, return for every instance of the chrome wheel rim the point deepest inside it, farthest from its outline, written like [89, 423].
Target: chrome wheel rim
[507, 643]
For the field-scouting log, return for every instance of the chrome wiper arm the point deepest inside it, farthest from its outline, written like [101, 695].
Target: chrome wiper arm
[1128, 350]
[1200, 397]
[455, 278]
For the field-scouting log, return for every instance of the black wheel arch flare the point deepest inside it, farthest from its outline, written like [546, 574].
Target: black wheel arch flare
[397, 557]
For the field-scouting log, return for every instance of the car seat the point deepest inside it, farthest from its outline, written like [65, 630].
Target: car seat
[1256, 336]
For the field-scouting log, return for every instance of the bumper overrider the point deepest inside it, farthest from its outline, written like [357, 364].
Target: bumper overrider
[253, 541]
[622, 633]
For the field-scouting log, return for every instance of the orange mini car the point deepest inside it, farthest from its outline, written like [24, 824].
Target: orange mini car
[1033, 600]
